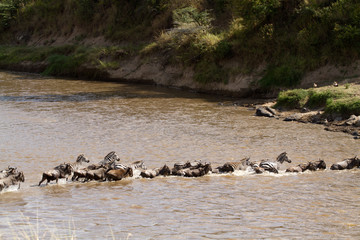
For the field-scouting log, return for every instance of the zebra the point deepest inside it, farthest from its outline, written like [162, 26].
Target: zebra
[267, 165]
[134, 165]
[233, 166]
[109, 159]
[80, 160]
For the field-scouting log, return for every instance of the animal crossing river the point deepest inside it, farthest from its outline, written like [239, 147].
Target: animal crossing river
[45, 122]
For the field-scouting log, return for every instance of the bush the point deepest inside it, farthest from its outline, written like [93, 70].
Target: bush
[320, 98]
[208, 72]
[280, 76]
[345, 106]
[61, 65]
[293, 98]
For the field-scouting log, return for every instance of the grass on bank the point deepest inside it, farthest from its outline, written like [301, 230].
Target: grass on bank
[67, 60]
[290, 37]
[343, 100]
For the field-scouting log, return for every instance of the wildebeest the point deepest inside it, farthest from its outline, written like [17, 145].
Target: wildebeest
[198, 172]
[118, 174]
[165, 171]
[96, 174]
[7, 172]
[12, 180]
[299, 168]
[317, 165]
[179, 168]
[108, 161]
[348, 163]
[311, 166]
[61, 171]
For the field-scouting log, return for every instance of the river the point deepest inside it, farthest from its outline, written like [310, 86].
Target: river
[46, 121]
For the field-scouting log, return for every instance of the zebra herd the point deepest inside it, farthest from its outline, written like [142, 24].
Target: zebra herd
[110, 169]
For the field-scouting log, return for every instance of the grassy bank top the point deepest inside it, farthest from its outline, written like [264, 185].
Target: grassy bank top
[343, 100]
[290, 37]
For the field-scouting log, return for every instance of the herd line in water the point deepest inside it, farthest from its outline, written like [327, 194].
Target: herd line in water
[110, 169]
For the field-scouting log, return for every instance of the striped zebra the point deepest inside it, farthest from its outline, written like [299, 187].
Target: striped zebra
[134, 165]
[109, 159]
[233, 166]
[267, 165]
[80, 160]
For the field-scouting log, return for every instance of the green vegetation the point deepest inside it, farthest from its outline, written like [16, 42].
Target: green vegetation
[67, 60]
[290, 37]
[343, 100]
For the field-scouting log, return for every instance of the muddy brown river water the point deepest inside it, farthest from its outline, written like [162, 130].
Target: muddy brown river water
[46, 121]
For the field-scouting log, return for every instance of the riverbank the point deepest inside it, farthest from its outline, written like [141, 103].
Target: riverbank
[337, 107]
[237, 48]
[126, 64]
[326, 104]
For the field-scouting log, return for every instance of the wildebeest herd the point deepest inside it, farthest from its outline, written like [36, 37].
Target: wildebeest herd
[109, 169]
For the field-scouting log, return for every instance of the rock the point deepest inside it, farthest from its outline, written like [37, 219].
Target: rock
[294, 117]
[265, 112]
[305, 110]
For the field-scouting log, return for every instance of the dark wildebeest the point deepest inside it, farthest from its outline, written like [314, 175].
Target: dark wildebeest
[198, 172]
[61, 171]
[311, 166]
[348, 163]
[12, 180]
[165, 171]
[317, 165]
[118, 174]
[179, 168]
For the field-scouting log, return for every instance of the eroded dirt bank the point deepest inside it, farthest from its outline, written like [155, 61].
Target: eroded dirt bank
[332, 123]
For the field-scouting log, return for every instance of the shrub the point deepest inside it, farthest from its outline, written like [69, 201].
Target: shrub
[320, 98]
[344, 106]
[62, 65]
[292, 98]
[281, 76]
[208, 72]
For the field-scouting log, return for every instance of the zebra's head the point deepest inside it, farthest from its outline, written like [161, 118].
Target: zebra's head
[283, 158]
[111, 157]
[81, 158]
